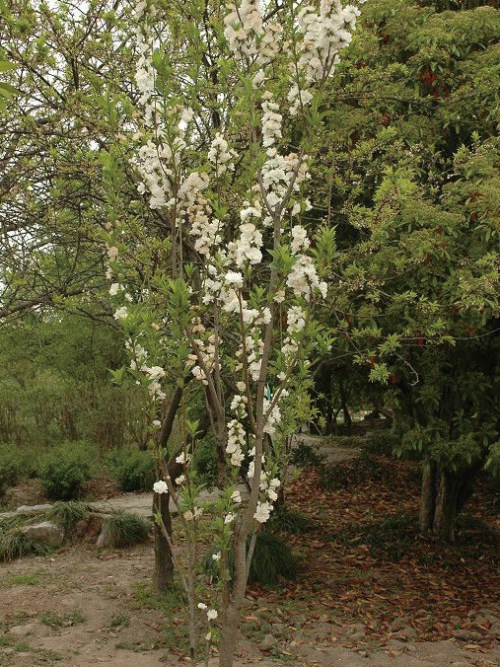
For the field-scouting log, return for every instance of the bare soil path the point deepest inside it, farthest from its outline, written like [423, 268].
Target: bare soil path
[76, 609]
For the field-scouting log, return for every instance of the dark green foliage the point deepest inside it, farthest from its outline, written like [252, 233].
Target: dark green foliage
[205, 461]
[66, 469]
[68, 514]
[127, 529]
[132, 468]
[304, 456]
[382, 442]
[290, 521]
[272, 560]
[10, 470]
[16, 544]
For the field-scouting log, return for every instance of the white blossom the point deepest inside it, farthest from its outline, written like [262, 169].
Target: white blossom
[160, 487]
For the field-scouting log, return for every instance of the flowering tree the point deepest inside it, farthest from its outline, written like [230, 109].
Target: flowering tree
[231, 98]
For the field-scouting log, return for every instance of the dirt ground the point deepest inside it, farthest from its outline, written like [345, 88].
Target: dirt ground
[77, 609]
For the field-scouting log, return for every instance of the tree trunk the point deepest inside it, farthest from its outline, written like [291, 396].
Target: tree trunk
[443, 496]
[163, 574]
[445, 513]
[427, 497]
[345, 409]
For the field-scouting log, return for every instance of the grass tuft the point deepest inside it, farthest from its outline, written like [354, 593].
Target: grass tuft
[68, 514]
[290, 522]
[127, 529]
[16, 544]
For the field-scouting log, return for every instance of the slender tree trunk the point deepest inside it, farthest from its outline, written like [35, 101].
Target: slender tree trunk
[427, 497]
[446, 507]
[345, 409]
[163, 574]
[231, 619]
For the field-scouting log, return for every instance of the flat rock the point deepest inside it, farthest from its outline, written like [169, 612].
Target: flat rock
[468, 635]
[268, 643]
[33, 509]
[45, 533]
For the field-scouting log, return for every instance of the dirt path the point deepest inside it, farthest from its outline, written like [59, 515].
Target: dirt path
[76, 609]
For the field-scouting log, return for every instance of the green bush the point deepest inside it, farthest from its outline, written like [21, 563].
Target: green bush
[304, 456]
[272, 559]
[383, 441]
[66, 469]
[133, 469]
[205, 461]
[10, 468]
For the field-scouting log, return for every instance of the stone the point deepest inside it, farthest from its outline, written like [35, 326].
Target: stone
[468, 635]
[33, 509]
[46, 533]
[355, 632]
[461, 664]
[279, 628]
[495, 630]
[23, 630]
[268, 643]
[105, 539]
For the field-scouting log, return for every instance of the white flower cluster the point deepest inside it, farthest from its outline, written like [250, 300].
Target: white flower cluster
[303, 278]
[236, 436]
[271, 121]
[277, 174]
[270, 43]
[205, 349]
[296, 321]
[273, 417]
[212, 614]
[243, 26]
[324, 34]
[154, 164]
[268, 486]
[145, 74]
[220, 156]
[154, 374]
[298, 99]
[253, 351]
[265, 507]
[247, 248]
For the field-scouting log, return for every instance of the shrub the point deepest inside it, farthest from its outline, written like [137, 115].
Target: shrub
[65, 470]
[205, 461]
[127, 529]
[133, 469]
[271, 560]
[304, 456]
[383, 441]
[10, 469]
